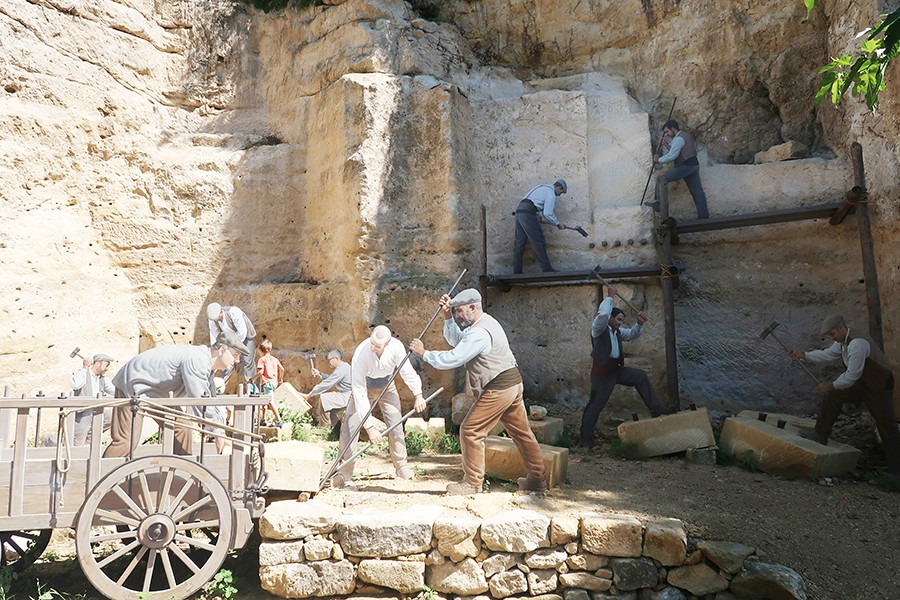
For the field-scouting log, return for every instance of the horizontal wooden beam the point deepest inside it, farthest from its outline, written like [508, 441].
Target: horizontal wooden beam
[580, 277]
[803, 213]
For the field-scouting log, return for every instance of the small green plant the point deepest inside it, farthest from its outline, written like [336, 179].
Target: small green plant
[331, 452]
[449, 444]
[416, 441]
[153, 438]
[428, 594]
[7, 578]
[749, 460]
[626, 450]
[220, 586]
[566, 438]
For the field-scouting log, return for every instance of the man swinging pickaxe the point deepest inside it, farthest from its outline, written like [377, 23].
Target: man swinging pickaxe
[770, 330]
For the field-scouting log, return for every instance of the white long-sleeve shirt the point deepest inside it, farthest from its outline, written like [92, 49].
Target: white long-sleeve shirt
[366, 364]
[237, 317]
[853, 355]
[467, 344]
[675, 147]
[80, 385]
[544, 199]
[601, 322]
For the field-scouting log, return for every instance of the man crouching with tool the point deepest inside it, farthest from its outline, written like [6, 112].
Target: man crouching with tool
[868, 379]
[371, 372]
[493, 377]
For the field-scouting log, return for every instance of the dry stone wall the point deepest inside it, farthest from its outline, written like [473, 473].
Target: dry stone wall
[314, 549]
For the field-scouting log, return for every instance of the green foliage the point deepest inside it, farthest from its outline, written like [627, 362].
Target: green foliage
[331, 452]
[153, 438]
[270, 5]
[428, 594]
[220, 586]
[861, 73]
[748, 459]
[566, 438]
[626, 450]
[416, 441]
[7, 579]
[449, 444]
[302, 424]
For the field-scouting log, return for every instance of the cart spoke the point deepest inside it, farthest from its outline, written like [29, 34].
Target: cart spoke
[148, 574]
[149, 505]
[119, 535]
[184, 558]
[211, 523]
[135, 509]
[119, 553]
[195, 542]
[192, 508]
[135, 561]
[164, 492]
[12, 543]
[113, 518]
[167, 567]
[173, 506]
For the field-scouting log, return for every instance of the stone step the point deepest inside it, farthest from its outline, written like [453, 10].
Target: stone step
[502, 460]
[668, 434]
[294, 466]
[784, 452]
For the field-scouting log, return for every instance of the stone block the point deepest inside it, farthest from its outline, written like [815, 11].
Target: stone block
[773, 418]
[458, 537]
[318, 549]
[291, 520]
[789, 150]
[294, 466]
[586, 562]
[287, 395]
[502, 460]
[564, 529]
[784, 452]
[280, 553]
[633, 573]
[668, 434]
[464, 578]
[546, 558]
[388, 534]
[271, 433]
[497, 563]
[585, 581]
[508, 583]
[459, 407]
[702, 456]
[577, 595]
[766, 580]
[546, 430]
[728, 556]
[542, 581]
[406, 577]
[666, 541]
[612, 535]
[515, 531]
[699, 580]
[433, 428]
[304, 580]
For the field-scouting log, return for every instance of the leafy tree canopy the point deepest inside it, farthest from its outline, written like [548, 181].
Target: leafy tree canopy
[861, 73]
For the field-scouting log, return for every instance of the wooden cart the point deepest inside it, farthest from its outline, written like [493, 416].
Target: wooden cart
[152, 526]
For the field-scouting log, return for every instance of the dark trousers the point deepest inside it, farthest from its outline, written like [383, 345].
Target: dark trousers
[691, 176]
[602, 388]
[124, 423]
[880, 404]
[528, 229]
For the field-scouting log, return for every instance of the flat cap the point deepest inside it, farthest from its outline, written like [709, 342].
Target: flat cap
[231, 339]
[213, 311]
[102, 357]
[562, 183]
[831, 322]
[467, 296]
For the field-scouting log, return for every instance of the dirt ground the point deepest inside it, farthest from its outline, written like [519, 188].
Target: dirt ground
[844, 538]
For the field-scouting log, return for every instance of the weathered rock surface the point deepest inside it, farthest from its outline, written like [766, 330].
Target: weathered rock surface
[515, 531]
[766, 580]
[387, 535]
[289, 520]
[304, 580]
[404, 576]
[666, 541]
[464, 578]
[699, 580]
[508, 583]
[612, 535]
[633, 573]
[728, 556]
[458, 537]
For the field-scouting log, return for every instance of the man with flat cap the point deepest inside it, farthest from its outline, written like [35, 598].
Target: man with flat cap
[492, 376]
[374, 361]
[867, 378]
[233, 319]
[90, 382]
[537, 207]
[185, 371]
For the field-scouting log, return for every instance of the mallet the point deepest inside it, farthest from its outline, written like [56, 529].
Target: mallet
[309, 356]
[596, 273]
[77, 352]
[577, 228]
[770, 330]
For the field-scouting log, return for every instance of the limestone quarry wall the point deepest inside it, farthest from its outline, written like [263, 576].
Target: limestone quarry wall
[325, 168]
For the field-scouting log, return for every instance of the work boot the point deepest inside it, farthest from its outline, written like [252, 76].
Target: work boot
[588, 444]
[462, 489]
[812, 434]
[338, 481]
[405, 473]
[527, 484]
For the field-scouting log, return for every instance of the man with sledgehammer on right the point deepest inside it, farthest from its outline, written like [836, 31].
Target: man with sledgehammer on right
[868, 379]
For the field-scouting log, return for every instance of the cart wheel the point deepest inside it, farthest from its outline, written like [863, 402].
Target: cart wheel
[136, 529]
[22, 548]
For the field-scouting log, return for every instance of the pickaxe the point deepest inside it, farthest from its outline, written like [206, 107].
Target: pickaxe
[770, 330]
[596, 273]
[77, 352]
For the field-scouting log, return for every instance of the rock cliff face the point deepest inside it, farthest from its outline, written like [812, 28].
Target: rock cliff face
[325, 169]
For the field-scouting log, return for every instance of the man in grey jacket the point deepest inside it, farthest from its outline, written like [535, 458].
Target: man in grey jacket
[185, 371]
[332, 402]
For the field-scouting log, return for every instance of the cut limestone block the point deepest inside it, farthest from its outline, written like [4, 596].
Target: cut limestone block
[287, 395]
[294, 466]
[784, 452]
[433, 427]
[668, 434]
[277, 434]
[773, 418]
[502, 460]
[546, 430]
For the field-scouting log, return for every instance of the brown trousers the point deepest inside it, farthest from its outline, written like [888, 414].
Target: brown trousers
[880, 404]
[498, 406]
[124, 422]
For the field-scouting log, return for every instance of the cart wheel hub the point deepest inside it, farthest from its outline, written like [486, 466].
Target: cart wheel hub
[156, 531]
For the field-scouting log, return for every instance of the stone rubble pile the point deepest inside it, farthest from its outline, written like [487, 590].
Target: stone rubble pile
[314, 549]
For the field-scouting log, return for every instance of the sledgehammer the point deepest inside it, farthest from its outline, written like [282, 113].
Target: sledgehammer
[770, 330]
[77, 352]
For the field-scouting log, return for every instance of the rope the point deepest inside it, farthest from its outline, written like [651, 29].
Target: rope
[668, 271]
